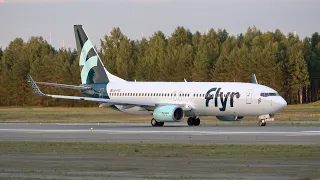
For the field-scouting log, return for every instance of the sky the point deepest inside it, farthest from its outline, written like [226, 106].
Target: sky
[26, 18]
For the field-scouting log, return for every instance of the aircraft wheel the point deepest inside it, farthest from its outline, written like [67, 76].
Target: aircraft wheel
[262, 123]
[196, 122]
[154, 122]
[190, 121]
[160, 123]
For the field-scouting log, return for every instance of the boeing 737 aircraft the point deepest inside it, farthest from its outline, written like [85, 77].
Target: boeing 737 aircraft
[168, 101]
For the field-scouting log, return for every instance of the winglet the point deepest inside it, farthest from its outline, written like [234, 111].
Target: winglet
[254, 79]
[35, 87]
[184, 79]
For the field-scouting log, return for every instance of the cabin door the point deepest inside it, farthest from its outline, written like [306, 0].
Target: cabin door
[249, 96]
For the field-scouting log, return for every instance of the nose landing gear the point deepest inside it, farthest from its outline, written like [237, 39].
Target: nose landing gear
[262, 123]
[264, 119]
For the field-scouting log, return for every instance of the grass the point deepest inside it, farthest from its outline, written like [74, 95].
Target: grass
[166, 150]
[79, 160]
[292, 113]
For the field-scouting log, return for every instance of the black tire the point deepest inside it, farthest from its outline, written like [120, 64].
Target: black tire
[190, 121]
[160, 123]
[197, 122]
[262, 123]
[154, 122]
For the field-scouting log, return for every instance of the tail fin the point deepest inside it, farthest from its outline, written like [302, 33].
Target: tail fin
[91, 66]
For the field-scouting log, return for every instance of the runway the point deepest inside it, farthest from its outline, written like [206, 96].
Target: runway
[170, 133]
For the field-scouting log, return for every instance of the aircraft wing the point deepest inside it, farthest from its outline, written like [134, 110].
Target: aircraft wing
[65, 86]
[102, 100]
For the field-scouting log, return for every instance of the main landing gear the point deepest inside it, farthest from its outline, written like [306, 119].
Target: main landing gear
[156, 123]
[193, 121]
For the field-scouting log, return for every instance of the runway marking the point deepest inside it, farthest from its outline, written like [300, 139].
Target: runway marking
[299, 133]
[311, 131]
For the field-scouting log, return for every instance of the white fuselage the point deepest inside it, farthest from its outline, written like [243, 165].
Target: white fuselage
[247, 99]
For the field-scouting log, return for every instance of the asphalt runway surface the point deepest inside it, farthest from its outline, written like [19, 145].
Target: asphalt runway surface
[170, 133]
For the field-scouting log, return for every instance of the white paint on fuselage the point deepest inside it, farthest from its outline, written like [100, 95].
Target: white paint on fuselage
[247, 104]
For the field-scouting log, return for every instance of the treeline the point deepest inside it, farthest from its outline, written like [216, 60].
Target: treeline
[284, 62]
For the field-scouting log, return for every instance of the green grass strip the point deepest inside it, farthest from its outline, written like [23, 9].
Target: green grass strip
[166, 150]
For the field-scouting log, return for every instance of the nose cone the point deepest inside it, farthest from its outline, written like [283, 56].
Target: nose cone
[279, 104]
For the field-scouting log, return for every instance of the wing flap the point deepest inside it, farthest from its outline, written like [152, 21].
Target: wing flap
[65, 86]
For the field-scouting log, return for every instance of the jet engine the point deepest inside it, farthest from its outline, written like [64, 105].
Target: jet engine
[230, 118]
[168, 113]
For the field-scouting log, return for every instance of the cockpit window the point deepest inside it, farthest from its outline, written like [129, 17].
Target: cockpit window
[269, 94]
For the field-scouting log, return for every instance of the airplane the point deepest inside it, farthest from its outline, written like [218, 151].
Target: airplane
[167, 101]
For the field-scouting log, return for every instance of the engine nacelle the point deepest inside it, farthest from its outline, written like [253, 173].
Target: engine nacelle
[230, 118]
[168, 113]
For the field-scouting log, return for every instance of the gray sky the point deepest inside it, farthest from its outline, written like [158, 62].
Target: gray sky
[25, 18]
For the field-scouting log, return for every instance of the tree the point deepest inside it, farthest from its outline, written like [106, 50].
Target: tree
[222, 35]
[109, 49]
[220, 73]
[125, 62]
[296, 69]
[154, 66]
[142, 47]
[206, 57]
[15, 68]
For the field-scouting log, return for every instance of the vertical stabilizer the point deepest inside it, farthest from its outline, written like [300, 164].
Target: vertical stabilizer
[91, 67]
